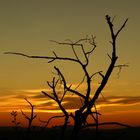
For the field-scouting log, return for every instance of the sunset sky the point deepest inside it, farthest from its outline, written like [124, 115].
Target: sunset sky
[28, 26]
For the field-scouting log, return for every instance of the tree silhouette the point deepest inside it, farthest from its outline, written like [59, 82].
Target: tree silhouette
[88, 99]
[29, 118]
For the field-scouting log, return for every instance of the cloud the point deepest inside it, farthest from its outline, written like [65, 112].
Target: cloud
[71, 103]
[43, 103]
[39, 96]
[34, 90]
[7, 91]
[124, 100]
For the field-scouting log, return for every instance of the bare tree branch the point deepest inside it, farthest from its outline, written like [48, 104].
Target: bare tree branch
[65, 85]
[113, 61]
[46, 94]
[120, 68]
[48, 121]
[30, 119]
[80, 83]
[32, 116]
[121, 27]
[43, 57]
[107, 123]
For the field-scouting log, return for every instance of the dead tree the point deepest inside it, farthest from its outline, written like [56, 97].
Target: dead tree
[54, 96]
[88, 99]
[30, 119]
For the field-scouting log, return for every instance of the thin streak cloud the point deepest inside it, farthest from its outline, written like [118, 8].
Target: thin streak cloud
[71, 102]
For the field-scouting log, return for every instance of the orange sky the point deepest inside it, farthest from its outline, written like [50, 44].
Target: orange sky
[27, 26]
[123, 109]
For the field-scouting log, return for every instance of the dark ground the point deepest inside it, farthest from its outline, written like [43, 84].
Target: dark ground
[9, 133]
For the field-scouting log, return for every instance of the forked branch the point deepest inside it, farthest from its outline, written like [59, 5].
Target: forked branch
[29, 118]
[114, 58]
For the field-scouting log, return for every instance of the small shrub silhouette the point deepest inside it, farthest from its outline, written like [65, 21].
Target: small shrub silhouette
[14, 119]
[16, 123]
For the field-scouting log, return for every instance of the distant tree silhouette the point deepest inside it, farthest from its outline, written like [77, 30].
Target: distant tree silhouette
[88, 99]
[29, 118]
